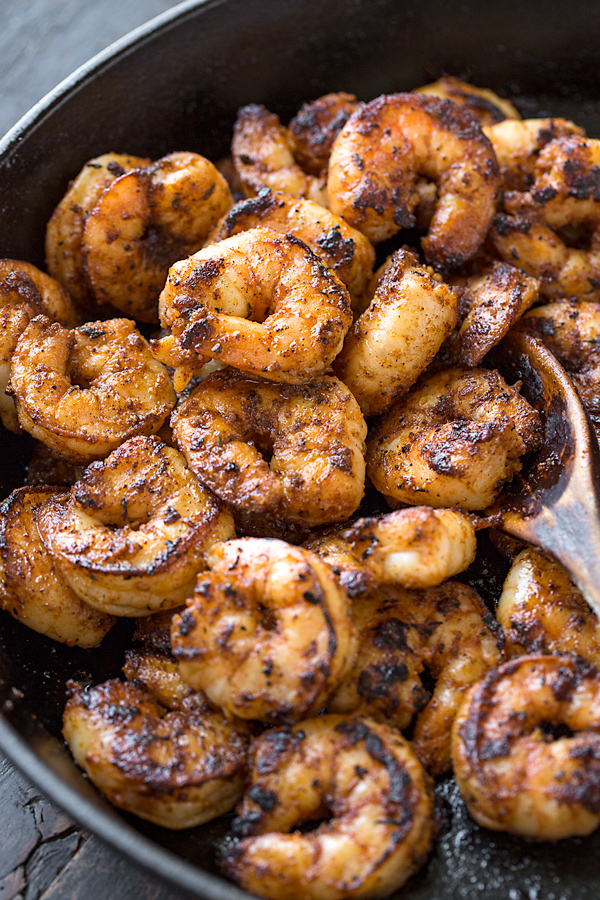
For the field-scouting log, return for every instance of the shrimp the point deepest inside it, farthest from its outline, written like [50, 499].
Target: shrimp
[526, 748]
[315, 127]
[25, 292]
[541, 610]
[417, 548]
[447, 630]
[146, 220]
[259, 301]
[82, 392]
[65, 229]
[267, 634]
[263, 153]
[132, 534]
[177, 769]
[396, 338]
[517, 145]
[345, 250]
[487, 107]
[313, 435]
[382, 148]
[31, 588]
[364, 780]
[454, 440]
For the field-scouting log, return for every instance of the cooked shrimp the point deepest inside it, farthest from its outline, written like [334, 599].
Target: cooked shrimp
[313, 436]
[380, 151]
[25, 292]
[315, 127]
[487, 107]
[83, 392]
[416, 548]
[345, 250]
[396, 338]
[133, 533]
[31, 589]
[526, 748]
[176, 769]
[267, 634]
[263, 153]
[493, 300]
[364, 780]
[517, 146]
[259, 301]
[65, 228]
[447, 630]
[145, 221]
[454, 440]
[541, 610]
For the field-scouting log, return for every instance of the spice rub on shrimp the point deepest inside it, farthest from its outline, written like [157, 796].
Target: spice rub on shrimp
[446, 630]
[454, 440]
[487, 107]
[541, 610]
[517, 145]
[25, 292]
[312, 436]
[315, 127]
[146, 220]
[82, 392]
[132, 534]
[259, 301]
[342, 248]
[359, 775]
[267, 634]
[526, 748]
[177, 769]
[384, 146]
[31, 588]
[393, 341]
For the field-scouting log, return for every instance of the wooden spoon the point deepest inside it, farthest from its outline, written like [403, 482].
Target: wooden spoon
[554, 502]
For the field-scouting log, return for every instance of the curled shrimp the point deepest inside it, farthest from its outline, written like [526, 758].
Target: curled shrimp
[446, 630]
[259, 301]
[312, 434]
[393, 341]
[417, 548]
[541, 610]
[177, 769]
[25, 292]
[65, 229]
[315, 127]
[454, 440]
[132, 534]
[263, 153]
[146, 220]
[526, 748]
[365, 778]
[487, 107]
[384, 146]
[344, 249]
[82, 392]
[267, 634]
[31, 588]
[517, 145]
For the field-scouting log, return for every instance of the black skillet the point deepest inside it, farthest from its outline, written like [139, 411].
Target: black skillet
[177, 84]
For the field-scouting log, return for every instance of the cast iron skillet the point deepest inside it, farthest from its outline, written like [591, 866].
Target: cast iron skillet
[176, 84]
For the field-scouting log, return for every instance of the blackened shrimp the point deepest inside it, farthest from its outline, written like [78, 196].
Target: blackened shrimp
[294, 452]
[526, 748]
[487, 107]
[259, 301]
[517, 145]
[364, 780]
[146, 220]
[541, 610]
[393, 341]
[82, 392]
[132, 534]
[384, 146]
[177, 769]
[454, 440]
[315, 127]
[267, 634]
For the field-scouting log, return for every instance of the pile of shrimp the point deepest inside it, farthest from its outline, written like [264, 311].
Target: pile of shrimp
[229, 366]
